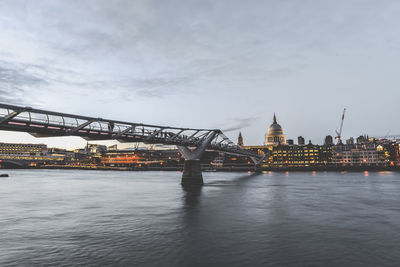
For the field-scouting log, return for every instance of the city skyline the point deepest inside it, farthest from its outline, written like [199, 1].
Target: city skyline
[184, 64]
[74, 142]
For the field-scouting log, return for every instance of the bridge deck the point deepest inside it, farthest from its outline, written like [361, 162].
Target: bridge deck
[42, 123]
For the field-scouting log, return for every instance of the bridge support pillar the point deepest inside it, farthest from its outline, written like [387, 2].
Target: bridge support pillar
[192, 173]
[192, 168]
[257, 164]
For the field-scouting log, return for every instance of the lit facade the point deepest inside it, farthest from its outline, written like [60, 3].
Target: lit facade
[396, 148]
[23, 149]
[299, 156]
[367, 154]
[120, 159]
[140, 158]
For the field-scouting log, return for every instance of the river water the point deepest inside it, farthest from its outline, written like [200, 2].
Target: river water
[111, 218]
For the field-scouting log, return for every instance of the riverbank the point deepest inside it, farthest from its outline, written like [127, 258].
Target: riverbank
[221, 169]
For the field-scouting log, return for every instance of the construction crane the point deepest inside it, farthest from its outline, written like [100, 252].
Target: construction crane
[387, 134]
[339, 133]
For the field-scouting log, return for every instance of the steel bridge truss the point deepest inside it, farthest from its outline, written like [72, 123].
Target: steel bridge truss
[42, 123]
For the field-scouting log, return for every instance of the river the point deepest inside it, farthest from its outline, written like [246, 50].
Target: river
[112, 218]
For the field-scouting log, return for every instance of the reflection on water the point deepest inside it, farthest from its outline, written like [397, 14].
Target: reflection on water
[191, 195]
[92, 218]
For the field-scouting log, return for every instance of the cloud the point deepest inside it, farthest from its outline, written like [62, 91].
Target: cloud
[198, 62]
[16, 81]
[240, 123]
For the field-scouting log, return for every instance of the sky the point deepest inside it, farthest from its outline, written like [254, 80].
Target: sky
[223, 64]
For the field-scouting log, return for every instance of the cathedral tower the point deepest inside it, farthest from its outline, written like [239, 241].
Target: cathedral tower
[275, 135]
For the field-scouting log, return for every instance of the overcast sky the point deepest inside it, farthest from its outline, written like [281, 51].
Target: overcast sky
[212, 64]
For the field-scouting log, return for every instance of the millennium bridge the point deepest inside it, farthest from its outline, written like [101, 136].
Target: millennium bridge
[192, 143]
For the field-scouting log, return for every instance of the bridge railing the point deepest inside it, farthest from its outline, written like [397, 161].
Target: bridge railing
[44, 123]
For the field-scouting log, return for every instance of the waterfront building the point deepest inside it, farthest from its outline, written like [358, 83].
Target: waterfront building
[305, 156]
[141, 158]
[356, 155]
[396, 148]
[275, 135]
[119, 159]
[14, 155]
[23, 149]
[391, 149]
[67, 155]
[25, 161]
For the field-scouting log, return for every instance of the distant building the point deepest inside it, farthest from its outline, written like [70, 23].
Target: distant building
[60, 152]
[368, 154]
[275, 135]
[23, 149]
[112, 147]
[362, 139]
[95, 148]
[240, 140]
[141, 158]
[328, 140]
[299, 156]
[350, 141]
[121, 158]
[300, 140]
[396, 148]
[289, 142]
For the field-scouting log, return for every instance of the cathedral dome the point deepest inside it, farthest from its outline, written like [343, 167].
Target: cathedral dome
[275, 129]
[275, 134]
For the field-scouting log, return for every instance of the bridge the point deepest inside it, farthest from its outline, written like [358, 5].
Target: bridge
[192, 143]
[10, 163]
